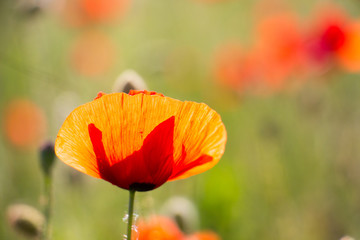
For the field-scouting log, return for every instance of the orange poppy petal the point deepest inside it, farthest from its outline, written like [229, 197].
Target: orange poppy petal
[199, 140]
[134, 92]
[136, 129]
[99, 95]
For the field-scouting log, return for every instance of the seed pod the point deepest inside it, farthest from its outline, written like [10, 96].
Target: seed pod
[183, 211]
[25, 220]
[129, 80]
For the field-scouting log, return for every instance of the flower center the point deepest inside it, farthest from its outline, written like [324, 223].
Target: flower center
[142, 187]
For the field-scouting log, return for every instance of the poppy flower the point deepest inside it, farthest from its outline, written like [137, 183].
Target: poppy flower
[327, 36]
[332, 28]
[78, 13]
[139, 141]
[165, 228]
[206, 235]
[98, 10]
[157, 227]
[279, 45]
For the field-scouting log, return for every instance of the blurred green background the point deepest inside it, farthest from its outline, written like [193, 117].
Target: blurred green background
[291, 169]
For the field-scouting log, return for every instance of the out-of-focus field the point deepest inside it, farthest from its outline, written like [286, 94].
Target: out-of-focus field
[291, 169]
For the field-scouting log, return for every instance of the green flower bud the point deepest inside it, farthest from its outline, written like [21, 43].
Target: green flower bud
[47, 158]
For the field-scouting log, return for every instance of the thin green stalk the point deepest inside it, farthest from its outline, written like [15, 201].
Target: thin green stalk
[130, 213]
[47, 207]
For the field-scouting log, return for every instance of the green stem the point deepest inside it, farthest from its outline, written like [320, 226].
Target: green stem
[47, 207]
[130, 213]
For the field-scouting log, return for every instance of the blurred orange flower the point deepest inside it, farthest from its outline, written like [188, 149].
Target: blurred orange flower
[206, 235]
[139, 141]
[24, 123]
[349, 54]
[278, 44]
[92, 54]
[164, 228]
[97, 10]
[82, 12]
[235, 68]
[157, 227]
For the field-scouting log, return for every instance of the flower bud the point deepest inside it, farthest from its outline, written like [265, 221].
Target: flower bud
[129, 80]
[347, 238]
[47, 158]
[25, 220]
[183, 211]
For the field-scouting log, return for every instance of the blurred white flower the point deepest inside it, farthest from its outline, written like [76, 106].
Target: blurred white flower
[129, 80]
[183, 211]
[347, 238]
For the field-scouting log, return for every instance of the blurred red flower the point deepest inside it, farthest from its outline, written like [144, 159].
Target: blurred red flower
[327, 36]
[139, 141]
